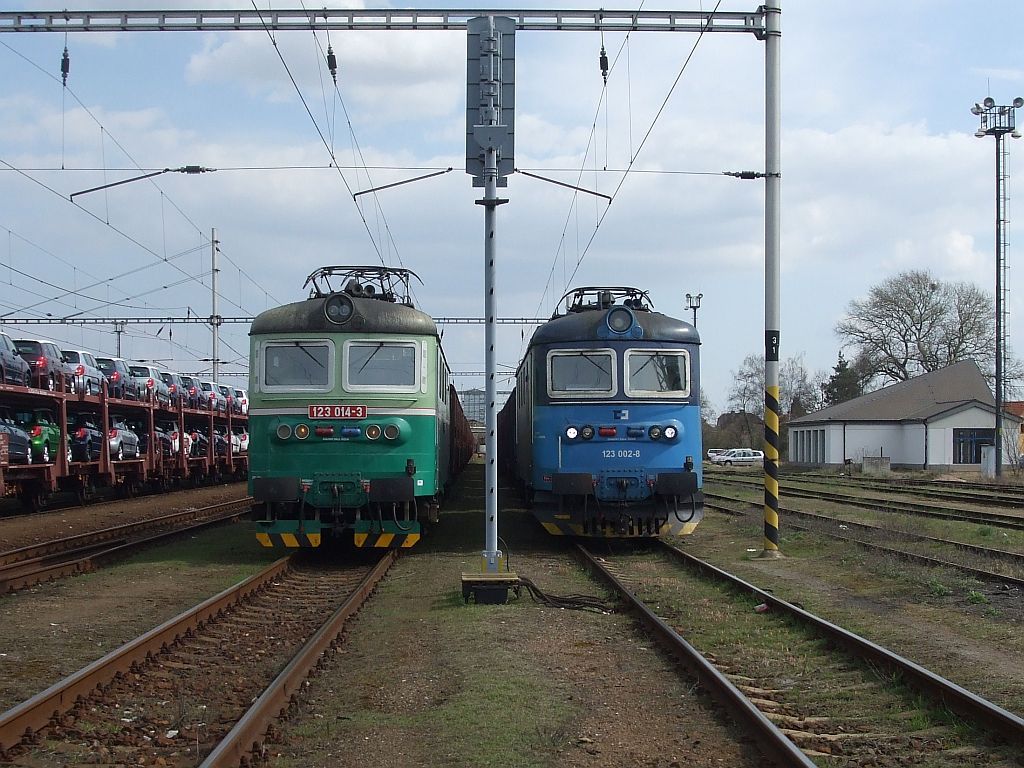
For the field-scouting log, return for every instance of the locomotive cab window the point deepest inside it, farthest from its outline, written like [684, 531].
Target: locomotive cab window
[381, 366]
[581, 373]
[657, 373]
[298, 365]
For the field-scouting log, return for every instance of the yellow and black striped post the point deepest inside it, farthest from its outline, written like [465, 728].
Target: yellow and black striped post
[771, 471]
[772, 271]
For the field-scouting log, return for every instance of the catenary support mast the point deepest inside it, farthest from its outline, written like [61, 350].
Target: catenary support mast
[772, 293]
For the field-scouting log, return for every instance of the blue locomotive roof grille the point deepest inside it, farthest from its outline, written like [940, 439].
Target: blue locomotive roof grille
[592, 313]
[351, 300]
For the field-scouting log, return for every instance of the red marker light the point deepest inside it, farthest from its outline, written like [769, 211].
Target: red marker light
[80, 370]
[149, 384]
[606, 431]
[324, 431]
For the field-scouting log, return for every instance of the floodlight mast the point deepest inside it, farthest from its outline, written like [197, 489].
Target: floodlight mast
[998, 121]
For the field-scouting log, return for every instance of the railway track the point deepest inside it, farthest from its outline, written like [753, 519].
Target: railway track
[777, 666]
[826, 525]
[1012, 521]
[202, 688]
[23, 567]
[919, 485]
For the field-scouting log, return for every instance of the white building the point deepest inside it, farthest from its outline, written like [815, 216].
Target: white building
[939, 421]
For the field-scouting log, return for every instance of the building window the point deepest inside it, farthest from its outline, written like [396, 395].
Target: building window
[967, 444]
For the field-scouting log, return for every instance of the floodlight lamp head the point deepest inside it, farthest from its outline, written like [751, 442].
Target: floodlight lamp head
[979, 133]
[1015, 134]
[989, 102]
[976, 110]
[1018, 102]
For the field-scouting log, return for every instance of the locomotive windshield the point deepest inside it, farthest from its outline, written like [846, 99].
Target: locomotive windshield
[297, 364]
[584, 372]
[657, 372]
[380, 364]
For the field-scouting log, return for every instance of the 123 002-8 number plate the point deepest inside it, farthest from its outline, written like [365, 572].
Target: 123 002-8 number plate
[337, 411]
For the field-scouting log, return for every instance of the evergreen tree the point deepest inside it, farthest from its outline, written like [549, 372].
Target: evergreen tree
[844, 384]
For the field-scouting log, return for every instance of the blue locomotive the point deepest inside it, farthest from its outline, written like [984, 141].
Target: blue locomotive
[603, 429]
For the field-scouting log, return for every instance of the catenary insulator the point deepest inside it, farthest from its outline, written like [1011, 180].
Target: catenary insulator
[332, 64]
[604, 65]
[65, 65]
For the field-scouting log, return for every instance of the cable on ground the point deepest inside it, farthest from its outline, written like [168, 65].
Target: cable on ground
[567, 602]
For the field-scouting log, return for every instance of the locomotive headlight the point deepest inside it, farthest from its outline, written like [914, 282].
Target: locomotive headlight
[391, 431]
[587, 432]
[373, 432]
[284, 431]
[620, 320]
[572, 433]
[302, 431]
[670, 432]
[654, 432]
[339, 308]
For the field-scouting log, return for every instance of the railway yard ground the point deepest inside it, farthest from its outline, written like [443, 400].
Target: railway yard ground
[422, 679]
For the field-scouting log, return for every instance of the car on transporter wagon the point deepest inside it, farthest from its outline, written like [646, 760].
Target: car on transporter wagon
[149, 380]
[43, 430]
[120, 383]
[85, 371]
[14, 369]
[19, 444]
[46, 361]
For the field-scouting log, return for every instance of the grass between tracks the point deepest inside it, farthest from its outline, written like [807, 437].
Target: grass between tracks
[965, 630]
[53, 629]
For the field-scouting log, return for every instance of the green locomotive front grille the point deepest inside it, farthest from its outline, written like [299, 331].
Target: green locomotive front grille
[334, 469]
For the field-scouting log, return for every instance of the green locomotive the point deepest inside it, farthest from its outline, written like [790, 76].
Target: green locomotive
[354, 425]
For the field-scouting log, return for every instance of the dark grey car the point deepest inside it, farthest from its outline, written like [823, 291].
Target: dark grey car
[47, 363]
[15, 369]
[19, 444]
[120, 383]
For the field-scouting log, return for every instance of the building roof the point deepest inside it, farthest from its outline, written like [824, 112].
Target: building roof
[1016, 407]
[919, 399]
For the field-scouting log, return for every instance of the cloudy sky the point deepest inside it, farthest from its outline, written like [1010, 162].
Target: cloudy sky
[881, 172]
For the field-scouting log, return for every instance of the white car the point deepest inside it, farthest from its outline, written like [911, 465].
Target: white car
[712, 452]
[739, 457]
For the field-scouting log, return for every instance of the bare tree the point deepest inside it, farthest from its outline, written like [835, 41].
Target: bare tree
[795, 385]
[913, 323]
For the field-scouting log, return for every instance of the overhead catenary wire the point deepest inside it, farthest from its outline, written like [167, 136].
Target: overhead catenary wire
[160, 259]
[579, 175]
[316, 125]
[647, 135]
[328, 56]
[634, 155]
[104, 133]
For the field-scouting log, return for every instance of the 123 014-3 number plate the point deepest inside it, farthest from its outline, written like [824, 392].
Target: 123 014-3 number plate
[337, 411]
